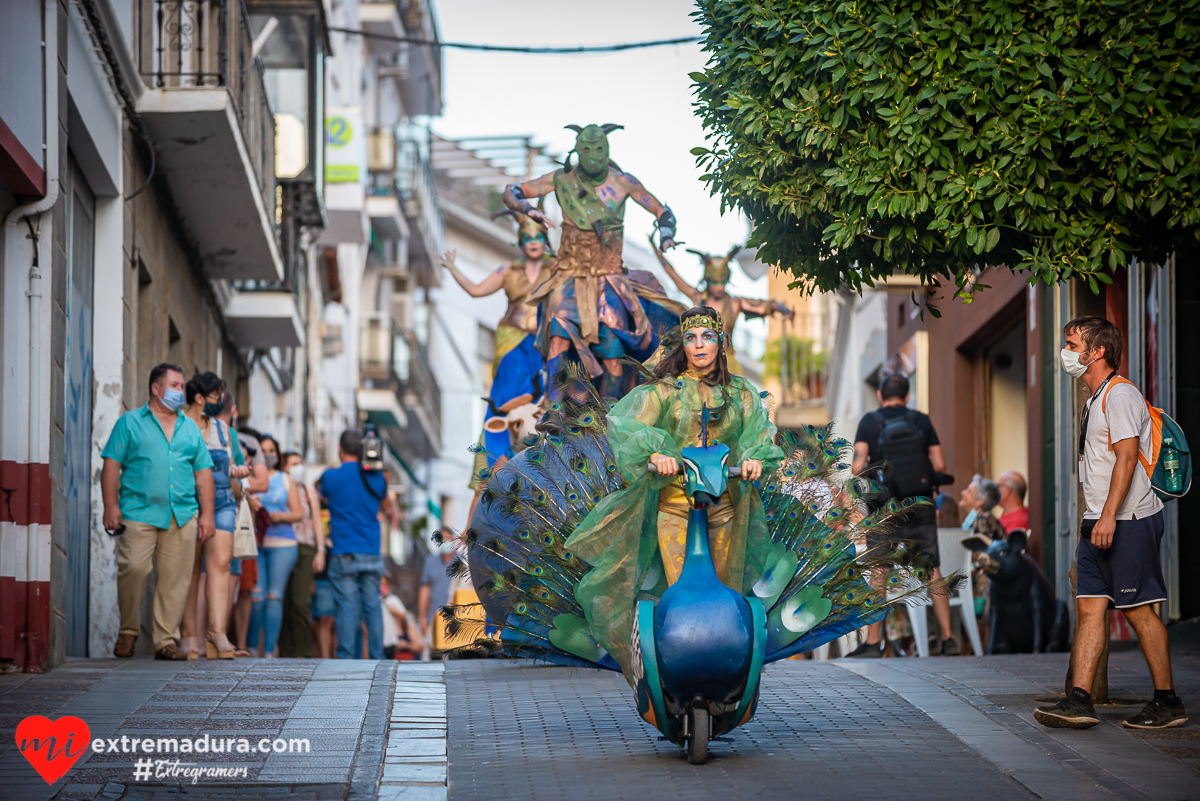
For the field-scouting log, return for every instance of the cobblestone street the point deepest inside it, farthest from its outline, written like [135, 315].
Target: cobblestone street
[934, 728]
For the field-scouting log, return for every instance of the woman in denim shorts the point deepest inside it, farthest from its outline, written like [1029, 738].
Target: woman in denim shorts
[210, 576]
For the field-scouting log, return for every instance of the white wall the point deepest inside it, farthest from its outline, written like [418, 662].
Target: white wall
[462, 407]
[108, 327]
[864, 350]
[1008, 422]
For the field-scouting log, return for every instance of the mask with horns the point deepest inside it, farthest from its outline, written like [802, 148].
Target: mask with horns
[591, 146]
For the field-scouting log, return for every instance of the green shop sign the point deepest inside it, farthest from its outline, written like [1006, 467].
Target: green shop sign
[345, 147]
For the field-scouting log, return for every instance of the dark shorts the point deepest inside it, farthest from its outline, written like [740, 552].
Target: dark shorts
[1129, 572]
[922, 533]
[322, 600]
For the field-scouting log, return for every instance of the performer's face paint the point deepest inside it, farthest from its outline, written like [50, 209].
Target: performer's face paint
[700, 345]
[533, 248]
[716, 290]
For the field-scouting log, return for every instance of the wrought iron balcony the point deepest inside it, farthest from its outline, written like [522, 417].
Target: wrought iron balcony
[401, 167]
[393, 358]
[799, 361]
[213, 130]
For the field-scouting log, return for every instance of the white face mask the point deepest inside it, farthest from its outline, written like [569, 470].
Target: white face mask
[297, 473]
[1071, 364]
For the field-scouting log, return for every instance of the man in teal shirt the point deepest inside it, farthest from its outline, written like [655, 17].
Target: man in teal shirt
[158, 494]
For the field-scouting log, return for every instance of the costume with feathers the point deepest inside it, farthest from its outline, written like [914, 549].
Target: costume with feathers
[566, 538]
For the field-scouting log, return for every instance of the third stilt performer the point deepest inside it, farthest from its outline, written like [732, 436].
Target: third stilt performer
[716, 276]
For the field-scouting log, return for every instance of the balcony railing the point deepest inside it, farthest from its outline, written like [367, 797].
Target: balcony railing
[393, 358]
[799, 361]
[205, 44]
[401, 166]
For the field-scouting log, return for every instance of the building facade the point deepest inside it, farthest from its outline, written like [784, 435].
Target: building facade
[189, 182]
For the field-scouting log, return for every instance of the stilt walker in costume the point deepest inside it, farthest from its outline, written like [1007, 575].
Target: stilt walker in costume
[590, 549]
[591, 302]
[717, 273]
[517, 374]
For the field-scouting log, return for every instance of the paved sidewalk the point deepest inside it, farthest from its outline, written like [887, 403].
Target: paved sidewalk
[1004, 690]
[954, 728]
[525, 732]
[341, 708]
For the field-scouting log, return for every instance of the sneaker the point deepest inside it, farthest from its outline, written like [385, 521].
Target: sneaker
[950, 647]
[935, 646]
[1069, 713]
[867, 650]
[1158, 715]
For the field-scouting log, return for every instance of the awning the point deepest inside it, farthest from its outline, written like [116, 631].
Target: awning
[383, 408]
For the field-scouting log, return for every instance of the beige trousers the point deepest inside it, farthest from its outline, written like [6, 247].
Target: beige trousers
[172, 552]
[673, 510]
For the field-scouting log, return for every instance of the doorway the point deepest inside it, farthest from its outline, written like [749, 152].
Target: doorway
[1006, 439]
[77, 399]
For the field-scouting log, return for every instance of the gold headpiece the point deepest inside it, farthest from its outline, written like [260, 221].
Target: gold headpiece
[717, 271]
[704, 321]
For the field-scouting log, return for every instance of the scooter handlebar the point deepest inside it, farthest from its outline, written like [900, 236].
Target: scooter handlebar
[733, 472]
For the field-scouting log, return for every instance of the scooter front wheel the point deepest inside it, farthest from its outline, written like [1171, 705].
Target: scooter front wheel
[697, 742]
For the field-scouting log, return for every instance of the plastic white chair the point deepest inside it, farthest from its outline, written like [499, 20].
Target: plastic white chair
[955, 559]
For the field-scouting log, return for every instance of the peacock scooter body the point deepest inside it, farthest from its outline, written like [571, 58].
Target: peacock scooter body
[698, 653]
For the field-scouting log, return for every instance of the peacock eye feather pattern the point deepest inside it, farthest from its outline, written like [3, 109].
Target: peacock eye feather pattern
[816, 513]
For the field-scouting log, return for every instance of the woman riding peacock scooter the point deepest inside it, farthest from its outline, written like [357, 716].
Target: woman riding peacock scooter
[589, 549]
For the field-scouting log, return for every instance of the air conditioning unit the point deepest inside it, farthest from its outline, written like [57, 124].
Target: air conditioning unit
[331, 339]
[381, 151]
[376, 343]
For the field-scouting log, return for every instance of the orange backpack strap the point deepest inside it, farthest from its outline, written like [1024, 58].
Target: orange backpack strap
[1155, 424]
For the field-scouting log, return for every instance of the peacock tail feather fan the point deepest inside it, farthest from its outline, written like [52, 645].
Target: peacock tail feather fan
[820, 579]
[516, 548]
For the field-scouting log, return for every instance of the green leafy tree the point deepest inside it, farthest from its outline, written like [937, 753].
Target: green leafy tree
[930, 137]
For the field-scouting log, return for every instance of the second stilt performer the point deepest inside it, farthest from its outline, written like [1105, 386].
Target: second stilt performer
[516, 365]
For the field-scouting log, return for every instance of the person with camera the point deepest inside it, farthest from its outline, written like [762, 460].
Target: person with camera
[356, 494]
[906, 440]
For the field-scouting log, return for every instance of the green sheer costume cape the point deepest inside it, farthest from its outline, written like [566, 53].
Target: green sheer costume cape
[618, 538]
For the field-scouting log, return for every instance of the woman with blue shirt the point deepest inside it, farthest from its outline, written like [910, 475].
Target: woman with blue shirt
[278, 552]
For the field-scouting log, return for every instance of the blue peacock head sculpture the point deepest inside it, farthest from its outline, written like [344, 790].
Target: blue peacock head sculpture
[704, 468]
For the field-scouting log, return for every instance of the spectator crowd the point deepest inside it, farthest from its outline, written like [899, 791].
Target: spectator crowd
[245, 549]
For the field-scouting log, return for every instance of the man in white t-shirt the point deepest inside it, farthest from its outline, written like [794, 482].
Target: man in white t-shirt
[1117, 562]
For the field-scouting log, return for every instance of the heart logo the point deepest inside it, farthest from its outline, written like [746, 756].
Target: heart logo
[53, 746]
